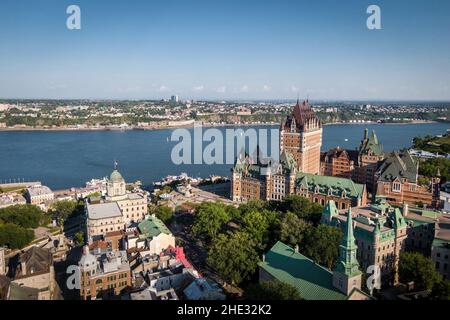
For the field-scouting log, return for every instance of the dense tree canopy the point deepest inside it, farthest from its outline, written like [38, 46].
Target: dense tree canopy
[272, 291]
[164, 213]
[293, 229]
[26, 216]
[322, 245]
[234, 256]
[415, 267]
[14, 236]
[210, 218]
[303, 208]
[64, 209]
[429, 168]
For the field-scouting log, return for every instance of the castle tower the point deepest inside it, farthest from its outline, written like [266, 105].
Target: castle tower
[301, 136]
[346, 275]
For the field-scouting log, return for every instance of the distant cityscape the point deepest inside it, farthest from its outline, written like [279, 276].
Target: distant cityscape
[175, 112]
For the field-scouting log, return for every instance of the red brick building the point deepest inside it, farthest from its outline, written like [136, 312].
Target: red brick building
[360, 165]
[397, 181]
[301, 136]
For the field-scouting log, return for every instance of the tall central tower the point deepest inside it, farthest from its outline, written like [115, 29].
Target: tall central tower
[301, 136]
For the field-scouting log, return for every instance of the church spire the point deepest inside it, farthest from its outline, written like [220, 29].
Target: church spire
[346, 274]
[347, 263]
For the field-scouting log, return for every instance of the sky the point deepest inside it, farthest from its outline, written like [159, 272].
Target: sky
[225, 49]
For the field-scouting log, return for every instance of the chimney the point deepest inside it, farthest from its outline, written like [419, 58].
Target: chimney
[405, 209]
[263, 258]
[296, 249]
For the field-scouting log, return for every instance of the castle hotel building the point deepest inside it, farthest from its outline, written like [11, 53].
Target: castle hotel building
[301, 136]
[298, 169]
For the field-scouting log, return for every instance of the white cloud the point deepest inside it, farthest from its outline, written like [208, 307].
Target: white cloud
[199, 88]
[221, 89]
[294, 89]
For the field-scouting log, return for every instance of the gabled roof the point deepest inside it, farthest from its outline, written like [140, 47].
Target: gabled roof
[313, 281]
[398, 166]
[37, 260]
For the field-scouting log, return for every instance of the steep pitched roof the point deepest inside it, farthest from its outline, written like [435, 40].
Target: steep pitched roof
[371, 144]
[398, 165]
[301, 114]
[313, 281]
[36, 260]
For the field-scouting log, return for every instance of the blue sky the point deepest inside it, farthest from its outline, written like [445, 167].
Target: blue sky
[246, 49]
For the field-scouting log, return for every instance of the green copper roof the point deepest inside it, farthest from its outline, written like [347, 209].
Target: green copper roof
[152, 227]
[313, 281]
[347, 262]
[371, 144]
[330, 211]
[116, 176]
[326, 185]
[399, 220]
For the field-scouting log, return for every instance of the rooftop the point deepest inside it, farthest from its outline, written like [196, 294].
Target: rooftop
[152, 227]
[313, 281]
[327, 184]
[39, 191]
[103, 210]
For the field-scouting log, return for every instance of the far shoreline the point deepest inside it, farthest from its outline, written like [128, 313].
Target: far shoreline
[207, 125]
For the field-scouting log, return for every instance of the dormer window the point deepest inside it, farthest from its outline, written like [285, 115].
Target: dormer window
[396, 187]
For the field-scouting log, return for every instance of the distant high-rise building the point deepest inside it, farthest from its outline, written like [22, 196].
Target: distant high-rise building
[174, 99]
[301, 136]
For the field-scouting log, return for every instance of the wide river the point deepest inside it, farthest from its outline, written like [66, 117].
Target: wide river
[65, 159]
